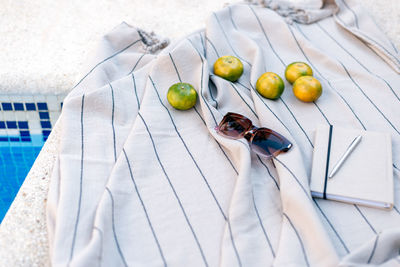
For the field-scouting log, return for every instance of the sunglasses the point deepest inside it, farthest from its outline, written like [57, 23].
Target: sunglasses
[263, 141]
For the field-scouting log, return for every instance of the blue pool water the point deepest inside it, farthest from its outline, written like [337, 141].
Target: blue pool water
[25, 124]
[15, 163]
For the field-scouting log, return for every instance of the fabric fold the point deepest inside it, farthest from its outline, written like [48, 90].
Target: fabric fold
[140, 183]
[351, 17]
[361, 24]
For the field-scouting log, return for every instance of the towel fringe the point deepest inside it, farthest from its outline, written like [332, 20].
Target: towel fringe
[293, 13]
[152, 42]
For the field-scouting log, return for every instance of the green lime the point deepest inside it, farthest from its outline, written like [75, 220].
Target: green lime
[297, 69]
[229, 68]
[182, 96]
[307, 89]
[270, 85]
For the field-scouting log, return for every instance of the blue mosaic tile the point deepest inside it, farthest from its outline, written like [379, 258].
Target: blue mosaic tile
[24, 133]
[11, 124]
[45, 124]
[42, 106]
[6, 106]
[23, 125]
[44, 115]
[18, 106]
[46, 133]
[18, 152]
[30, 106]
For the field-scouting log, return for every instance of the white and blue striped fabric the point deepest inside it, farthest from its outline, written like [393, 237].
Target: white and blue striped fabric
[138, 183]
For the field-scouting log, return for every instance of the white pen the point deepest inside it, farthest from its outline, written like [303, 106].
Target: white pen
[351, 147]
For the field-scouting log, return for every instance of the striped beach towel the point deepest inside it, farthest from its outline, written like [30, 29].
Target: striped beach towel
[138, 183]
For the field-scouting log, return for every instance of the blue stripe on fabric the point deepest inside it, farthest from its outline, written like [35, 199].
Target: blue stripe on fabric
[365, 219]
[195, 162]
[368, 98]
[259, 218]
[356, 18]
[262, 226]
[108, 58]
[334, 90]
[174, 192]
[145, 210]
[113, 228]
[352, 11]
[176, 70]
[307, 192]
[322, 76]
[293, 173]
[348, 105]
[112, 121]
[80, 183]
[244, 101]
[137, 63]
[213, 46]
[287, 107]
[373, 249]
[208, 106]
[203, 43]
[136, 94]
[390, 55]
[228, 41]
[332, 227]
[300, 241]
[362, 65]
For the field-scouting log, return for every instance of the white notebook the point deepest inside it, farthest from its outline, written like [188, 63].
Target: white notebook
[365, 177]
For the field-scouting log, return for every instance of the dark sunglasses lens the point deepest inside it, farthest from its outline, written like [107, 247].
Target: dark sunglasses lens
[269, 143]
[234, 126]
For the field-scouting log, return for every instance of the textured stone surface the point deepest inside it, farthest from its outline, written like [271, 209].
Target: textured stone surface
[46, 44]
[23, 233]
[47, 41]
[387, 15]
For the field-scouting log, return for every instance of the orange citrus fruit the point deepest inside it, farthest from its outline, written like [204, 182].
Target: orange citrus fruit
[182, 96]
[297, 69]
[270, 85]
[229, 68]
[307, 89]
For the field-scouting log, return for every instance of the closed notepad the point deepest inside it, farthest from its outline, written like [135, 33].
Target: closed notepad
[365, 177]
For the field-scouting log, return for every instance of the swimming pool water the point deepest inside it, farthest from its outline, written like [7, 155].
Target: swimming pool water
[25, 124]
[15, 163]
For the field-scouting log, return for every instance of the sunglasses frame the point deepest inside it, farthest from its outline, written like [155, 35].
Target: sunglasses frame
[250, 132]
